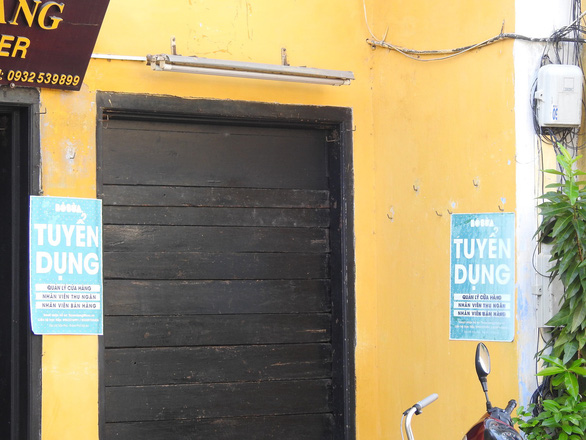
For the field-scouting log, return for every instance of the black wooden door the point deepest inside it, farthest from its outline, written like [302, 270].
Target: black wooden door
[218, 281]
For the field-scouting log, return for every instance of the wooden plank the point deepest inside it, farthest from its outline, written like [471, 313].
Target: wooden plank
[152, 238]
[222, 157]
[189, 216]
[179, 365]
[288, 427]
[172, 297]
[177, 331]
[169, 402]
[217, 266]
[135, 195]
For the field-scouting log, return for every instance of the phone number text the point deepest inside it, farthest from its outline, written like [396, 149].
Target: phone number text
[40, 78]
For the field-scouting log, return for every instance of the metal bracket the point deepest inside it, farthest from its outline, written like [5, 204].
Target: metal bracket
[284, 61]
[173, 45]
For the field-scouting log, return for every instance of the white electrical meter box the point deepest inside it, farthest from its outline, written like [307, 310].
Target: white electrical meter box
[559, 96]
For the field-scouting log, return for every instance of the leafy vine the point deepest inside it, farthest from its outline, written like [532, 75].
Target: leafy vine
[561, 413]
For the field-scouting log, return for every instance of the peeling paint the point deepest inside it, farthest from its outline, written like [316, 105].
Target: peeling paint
[70, 153]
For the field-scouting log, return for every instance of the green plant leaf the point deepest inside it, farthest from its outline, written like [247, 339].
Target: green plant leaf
[551, 423]
[552, 171]
[550, 371]
[551, 405]
[571, 383]
[557, 380]
[561, 340]
[562, 223]
[570, 350]
[576, 363]
[560, 318]
[581, 214]
[574, 419]
[554, 361]
[572, 275]
[583, 284]
[554, 185]
[555, 210]
[578, 317]
[568, 260]
[573, 287]
[580, 371]
[572, 191]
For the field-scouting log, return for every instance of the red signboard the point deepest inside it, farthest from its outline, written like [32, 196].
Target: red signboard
[47, 43]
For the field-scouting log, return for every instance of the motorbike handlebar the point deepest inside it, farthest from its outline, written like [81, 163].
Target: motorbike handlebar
[424, 402]
[421, 404]
[511, 406]
[416, 409]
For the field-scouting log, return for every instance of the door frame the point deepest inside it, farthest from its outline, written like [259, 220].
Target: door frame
[338, 121]
[24, 106]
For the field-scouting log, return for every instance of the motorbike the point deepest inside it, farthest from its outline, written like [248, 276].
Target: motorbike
[495, 424]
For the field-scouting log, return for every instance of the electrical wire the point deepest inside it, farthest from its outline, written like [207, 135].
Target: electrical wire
[368, 26]
[417, 54]
[567, 34]
[455, 52]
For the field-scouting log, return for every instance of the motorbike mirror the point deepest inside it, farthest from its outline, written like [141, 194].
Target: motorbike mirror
[483, 369]
[482, 361]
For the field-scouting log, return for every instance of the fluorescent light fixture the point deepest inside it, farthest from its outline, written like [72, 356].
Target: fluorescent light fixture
[239, 69]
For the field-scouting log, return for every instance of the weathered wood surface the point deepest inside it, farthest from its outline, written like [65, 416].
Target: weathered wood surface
[216, 266]
[175, 331]
[180, 365]
[287, 427]
[189, 216]
[235, 157]
[169, 402]
[175, 297]
[137, 195]
[135, 238]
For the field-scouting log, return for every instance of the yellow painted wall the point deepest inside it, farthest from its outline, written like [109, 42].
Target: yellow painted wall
[444, 143]
[69, 363]
[425, 132]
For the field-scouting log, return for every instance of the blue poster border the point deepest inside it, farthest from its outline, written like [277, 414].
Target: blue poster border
[65, 266]
[482, 277]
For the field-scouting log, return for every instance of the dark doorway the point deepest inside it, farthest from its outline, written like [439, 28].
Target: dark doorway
[15, 335]
[228, 270]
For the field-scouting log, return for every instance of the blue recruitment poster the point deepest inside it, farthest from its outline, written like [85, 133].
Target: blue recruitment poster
[482, 280]
[66, 287]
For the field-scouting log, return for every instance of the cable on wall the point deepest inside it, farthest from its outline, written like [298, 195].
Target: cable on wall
[567, 34]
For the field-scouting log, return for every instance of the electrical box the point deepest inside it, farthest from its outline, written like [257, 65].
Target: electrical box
[559, 95]
[549, 292]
